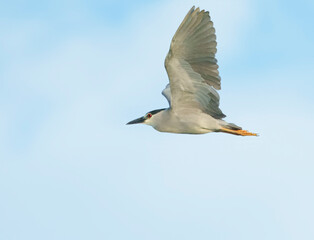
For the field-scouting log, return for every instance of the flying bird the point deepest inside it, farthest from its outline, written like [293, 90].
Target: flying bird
[193, 80]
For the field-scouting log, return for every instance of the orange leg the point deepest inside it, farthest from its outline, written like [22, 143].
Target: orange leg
[238, 132]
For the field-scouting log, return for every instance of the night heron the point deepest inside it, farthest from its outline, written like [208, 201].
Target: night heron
[193, 75]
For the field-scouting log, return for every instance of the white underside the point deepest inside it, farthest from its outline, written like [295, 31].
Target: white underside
[188, 121]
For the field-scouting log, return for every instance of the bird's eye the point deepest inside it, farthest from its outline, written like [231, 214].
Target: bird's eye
[149, 115]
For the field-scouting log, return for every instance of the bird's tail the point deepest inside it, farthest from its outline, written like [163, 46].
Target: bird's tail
[231, 128]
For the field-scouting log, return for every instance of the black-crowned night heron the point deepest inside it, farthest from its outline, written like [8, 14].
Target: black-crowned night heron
[193, 75]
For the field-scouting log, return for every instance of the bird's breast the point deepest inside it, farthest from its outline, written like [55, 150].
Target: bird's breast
[188, 123]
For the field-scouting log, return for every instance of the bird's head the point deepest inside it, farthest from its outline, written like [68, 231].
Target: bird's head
[148, 118]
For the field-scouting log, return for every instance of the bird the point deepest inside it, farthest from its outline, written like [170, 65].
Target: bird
[194, 79]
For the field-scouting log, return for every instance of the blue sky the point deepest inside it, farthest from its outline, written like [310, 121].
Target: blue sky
[72, 73]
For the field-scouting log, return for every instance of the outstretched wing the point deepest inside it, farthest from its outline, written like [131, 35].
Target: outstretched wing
[192, 67]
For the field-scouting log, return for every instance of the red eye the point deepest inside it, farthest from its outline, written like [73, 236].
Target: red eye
[149, 115]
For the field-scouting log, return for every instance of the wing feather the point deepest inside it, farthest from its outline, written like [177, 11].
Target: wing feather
[192, 67]
[167, 93]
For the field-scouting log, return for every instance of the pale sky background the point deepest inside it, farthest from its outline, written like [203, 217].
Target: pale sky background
[72, 73]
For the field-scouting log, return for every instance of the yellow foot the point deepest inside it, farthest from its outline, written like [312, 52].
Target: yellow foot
[238, 132]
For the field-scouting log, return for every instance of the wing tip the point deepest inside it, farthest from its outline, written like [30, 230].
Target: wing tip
[191, 10]
[198, 9]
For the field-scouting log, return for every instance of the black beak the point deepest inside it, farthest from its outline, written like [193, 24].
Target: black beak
[138, 120]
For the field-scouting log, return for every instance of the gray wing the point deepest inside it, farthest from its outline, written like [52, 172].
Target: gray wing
[167, 93]
[192, 67]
